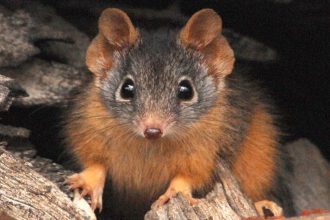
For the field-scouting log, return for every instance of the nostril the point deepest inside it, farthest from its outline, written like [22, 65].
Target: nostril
[153, 133]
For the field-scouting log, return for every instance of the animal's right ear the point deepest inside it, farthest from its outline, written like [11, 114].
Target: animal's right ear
[116, 33]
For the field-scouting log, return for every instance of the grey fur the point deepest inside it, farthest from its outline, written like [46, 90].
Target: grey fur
[156, 64]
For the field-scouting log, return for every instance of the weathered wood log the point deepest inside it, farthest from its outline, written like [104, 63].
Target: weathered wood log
[226, 201]
[21, 188]
[310, 186]
[25, 194]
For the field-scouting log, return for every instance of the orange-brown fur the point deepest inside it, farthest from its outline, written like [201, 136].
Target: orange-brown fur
[255, 164]
[126, 153]
[139, 165]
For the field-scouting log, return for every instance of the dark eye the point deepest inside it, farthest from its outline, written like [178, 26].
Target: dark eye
[185, 91]
[127, 89]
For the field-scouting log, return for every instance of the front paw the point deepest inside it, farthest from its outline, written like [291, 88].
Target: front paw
[91, 182]
[178, 185]
[268, 208]
[163, 199]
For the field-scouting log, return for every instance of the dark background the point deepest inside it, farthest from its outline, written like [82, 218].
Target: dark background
[298, 30]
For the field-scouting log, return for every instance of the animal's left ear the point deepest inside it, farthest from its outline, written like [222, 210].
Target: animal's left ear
[203, 33]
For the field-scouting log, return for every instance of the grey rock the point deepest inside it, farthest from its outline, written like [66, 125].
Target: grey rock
[38, 30]
[15, 45]
[9, 89]
[17, 139]
[19, 31]
[14, 132]
[5, 99]
[16, 89]
[72, 49]
[46, 83]
[310, 183]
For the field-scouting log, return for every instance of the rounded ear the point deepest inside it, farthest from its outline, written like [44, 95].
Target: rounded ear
[116, 32]
[203, 27]
[203, 34]
[117, 28]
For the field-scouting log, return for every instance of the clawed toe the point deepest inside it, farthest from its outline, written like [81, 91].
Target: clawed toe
[96, 202]
[192, 200]
[163, 199]
[160, 201]
[76, 181]
[275, 209]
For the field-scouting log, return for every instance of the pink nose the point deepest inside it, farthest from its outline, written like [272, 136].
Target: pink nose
[152, 133]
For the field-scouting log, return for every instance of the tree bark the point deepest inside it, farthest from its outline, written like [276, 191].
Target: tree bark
[25, 194]
[226, 201]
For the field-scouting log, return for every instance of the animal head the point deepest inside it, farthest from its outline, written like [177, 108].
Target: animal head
[162, 82]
